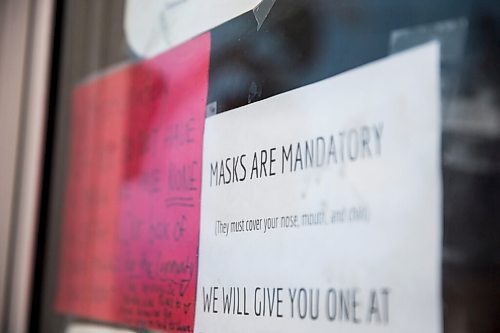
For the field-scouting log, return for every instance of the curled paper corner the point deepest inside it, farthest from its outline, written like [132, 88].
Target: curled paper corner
[261, 11]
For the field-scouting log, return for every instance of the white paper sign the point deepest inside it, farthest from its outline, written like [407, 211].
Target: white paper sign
[321, 207]
[153, 26]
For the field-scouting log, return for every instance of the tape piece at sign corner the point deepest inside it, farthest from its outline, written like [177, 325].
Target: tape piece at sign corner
[261, 11]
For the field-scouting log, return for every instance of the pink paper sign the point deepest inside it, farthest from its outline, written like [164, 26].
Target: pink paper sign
[129, 241]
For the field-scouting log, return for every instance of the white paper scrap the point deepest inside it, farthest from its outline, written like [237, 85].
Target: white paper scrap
[154, 26]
